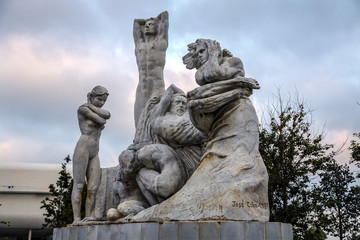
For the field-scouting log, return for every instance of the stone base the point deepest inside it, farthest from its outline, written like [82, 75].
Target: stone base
[181, 230]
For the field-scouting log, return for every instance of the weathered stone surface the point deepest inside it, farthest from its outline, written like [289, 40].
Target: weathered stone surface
[150, 231]
[57, 232]
[86, 163]
[105, 194]
[231, 181]
[65, 233]
[117, 231]
[151, 42]
[232, 230]
[73, 233]
[168, 231]
[188, 230]
[166, 151]
[82, 232]
[205, 230]
[132, 231]
[273, 230]
[209, 230]
[286, 231]
[255, 230]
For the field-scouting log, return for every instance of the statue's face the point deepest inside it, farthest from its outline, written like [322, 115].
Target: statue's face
[202, 53]
[126, 164]
[178, 105]
[151, 27]
[99, 101]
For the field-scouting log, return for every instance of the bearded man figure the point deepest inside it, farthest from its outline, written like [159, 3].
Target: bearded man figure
[166, 151]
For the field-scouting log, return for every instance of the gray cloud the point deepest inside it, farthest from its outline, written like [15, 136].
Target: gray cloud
[53, 53]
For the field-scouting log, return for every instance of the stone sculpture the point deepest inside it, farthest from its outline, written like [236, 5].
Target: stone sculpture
[231, 181]
[86, 162]
[151, 42]
[166, 151]
[194, 158]
[167, 147]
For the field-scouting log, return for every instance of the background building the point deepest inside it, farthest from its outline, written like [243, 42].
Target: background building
[22, 188]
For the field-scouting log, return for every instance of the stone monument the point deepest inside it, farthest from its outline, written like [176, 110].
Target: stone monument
[194, 170]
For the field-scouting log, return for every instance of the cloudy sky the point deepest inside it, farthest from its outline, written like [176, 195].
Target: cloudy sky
[52, 53]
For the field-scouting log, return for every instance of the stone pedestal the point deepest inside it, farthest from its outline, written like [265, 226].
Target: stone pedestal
[180, 230]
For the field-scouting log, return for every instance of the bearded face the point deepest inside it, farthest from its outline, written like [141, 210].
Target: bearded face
[178, 105]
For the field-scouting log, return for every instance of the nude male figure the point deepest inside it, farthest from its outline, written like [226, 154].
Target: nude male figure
[86, 162]
[151, 42]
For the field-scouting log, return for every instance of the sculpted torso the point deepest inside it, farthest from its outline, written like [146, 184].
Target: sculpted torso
[90, 132]
[150, 57]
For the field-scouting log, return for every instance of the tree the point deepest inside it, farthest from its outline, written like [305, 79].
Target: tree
[314, 233]
[292, 154]
[355, 152]
[337, 205]
[58, 208]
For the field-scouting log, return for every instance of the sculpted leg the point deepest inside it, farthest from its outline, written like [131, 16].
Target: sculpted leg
[146, 181]
[161, 176]
[80, 161]
[76, 201]
[93, 181]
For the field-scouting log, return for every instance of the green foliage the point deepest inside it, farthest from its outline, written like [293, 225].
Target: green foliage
[292, 154]
[314, 233]
[354, 236]
[58, 208]
[337, 200]
[355, 151]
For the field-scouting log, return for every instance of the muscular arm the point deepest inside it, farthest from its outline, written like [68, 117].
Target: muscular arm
[88, 113]
[229, 68]
[138, 30]
[163, 25]
[215, 70]
[184, 133]
[165, 102]
[101, 112]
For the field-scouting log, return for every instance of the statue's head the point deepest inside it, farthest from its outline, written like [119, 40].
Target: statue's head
[178, 104]
[202, 51]
[199, 52]
[128, 165]
[151, 26]
[98, 96]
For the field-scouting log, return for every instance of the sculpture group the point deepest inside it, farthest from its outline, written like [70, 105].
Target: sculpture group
[194, 156]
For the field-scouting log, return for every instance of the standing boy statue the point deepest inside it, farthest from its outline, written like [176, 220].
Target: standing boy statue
[86, 162]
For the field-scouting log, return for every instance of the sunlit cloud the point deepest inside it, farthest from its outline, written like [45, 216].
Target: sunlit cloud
[54, 53]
